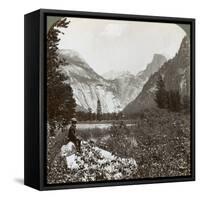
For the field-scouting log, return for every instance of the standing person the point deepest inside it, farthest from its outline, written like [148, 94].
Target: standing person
[72, 134]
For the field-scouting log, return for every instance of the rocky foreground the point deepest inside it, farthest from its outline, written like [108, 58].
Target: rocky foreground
[92, 164]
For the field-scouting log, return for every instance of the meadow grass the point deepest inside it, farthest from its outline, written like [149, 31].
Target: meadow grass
[159, 141]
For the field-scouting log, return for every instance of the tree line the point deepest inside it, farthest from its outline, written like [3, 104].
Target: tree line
[171, 99]
[98, 115]
[92, 116]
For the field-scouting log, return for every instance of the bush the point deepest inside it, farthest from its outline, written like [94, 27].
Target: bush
[164, 148]
[121, 140]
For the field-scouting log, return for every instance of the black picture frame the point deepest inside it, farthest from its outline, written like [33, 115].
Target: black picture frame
[35, 97]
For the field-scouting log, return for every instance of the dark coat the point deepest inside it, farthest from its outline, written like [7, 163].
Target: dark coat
[72, 137]
[72, 134]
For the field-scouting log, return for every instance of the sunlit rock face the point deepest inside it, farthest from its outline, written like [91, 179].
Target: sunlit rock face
[114, 89]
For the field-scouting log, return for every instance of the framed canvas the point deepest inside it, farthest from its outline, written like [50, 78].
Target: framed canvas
[109, 99]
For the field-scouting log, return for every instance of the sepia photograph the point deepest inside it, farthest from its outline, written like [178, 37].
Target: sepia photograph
[118, 100]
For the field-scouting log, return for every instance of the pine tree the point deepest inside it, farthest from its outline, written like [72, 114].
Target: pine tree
[161, 95]
[99, 111]
[60, 101]
[186, 103]
[174, 101]
[89, 114]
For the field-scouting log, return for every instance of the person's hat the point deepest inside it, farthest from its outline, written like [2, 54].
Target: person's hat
[73, 120]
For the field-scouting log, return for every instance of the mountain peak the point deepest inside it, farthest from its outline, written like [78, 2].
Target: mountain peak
[176, 77]
[157, 61]
[158, 56]
[113, 74]
[69, 56]
[120, 88]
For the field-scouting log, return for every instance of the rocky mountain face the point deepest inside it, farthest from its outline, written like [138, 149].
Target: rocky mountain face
[87, 85]
[113, 74]
[128, 87]
[157, 62]
[176, 75]
[114, 89]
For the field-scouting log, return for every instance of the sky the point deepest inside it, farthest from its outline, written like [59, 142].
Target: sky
[120, 45]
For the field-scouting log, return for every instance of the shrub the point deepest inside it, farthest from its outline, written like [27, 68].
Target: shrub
[163, 150]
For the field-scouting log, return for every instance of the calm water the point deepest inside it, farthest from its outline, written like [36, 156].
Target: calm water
[92, 126]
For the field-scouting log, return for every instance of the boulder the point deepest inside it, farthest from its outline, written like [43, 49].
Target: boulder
[68, 149]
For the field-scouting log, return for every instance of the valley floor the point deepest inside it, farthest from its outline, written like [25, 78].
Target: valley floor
[159, 142]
